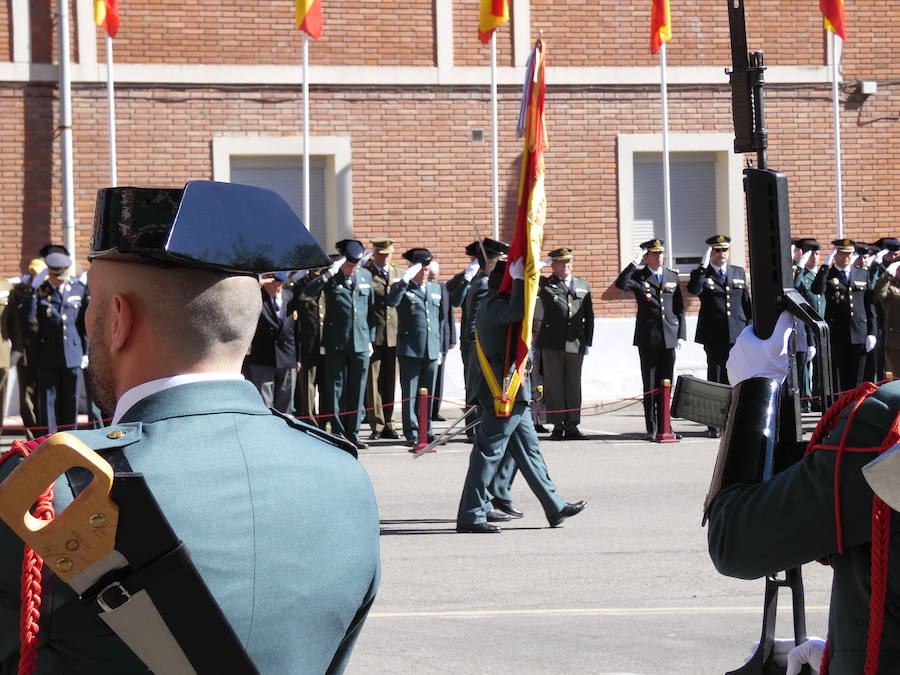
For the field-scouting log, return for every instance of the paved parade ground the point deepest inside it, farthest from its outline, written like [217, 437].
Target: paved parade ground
[624, 587]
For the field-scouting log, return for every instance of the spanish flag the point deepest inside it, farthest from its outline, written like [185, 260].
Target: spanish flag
[833, 10]
[106, 15]
[309, 17]
[528, 237]
[661, 24]
[493, 14]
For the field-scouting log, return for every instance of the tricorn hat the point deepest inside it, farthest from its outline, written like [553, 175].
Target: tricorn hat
[419, 255]
[889, 243]
[351, 249]
[809, 244]
[492, 247]
[472, 249]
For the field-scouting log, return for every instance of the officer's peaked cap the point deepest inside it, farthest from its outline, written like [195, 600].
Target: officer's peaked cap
[654, 246]
[844, 245]
[865, 249]
[383, 245]
[419, 255]
[351, 249]
[720, 241]
[57, 260]
[47, 249]
[230, 227]
[561, 254]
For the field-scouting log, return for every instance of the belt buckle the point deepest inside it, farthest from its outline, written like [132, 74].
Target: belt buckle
[117, 597]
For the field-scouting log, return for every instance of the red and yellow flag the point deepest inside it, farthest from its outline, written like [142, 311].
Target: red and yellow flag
[529, 235]
[660, 24]
[493, 14]
[106, 15]
[309, 17]
[833, 10]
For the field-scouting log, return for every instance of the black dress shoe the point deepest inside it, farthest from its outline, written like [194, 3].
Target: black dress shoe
[713, 433]
[568, 511]
[477, 528]
[541, 429]
[507, 507]
[651, 436]
[557, 434]
[438, 418]
[495, 516]
[375, 435]
[358, 443]
[389, 433]
[574, 435]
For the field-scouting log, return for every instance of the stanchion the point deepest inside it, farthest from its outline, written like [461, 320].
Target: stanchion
[424, 409]
[665, 435]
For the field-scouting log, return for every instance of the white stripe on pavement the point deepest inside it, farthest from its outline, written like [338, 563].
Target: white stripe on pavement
[756, 609]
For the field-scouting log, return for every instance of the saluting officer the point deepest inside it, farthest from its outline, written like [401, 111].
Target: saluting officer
[347, 335]
[565, 336]
[311, 313]
[458, 288]
[660, 327]
[383, 364]
[848, 312]
[58, 306]
[418, 303]
[724, 308]
[810, 381]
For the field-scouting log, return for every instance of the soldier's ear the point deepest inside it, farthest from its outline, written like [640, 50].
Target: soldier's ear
[122, 322]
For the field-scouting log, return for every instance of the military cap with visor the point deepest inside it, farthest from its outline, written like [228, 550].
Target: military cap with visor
[561, 254]
[844, 245]
[865, 249]
[654, 246]
[719, 241]
[230, 227]
[382, 245]
[472, 249]
[808, 244]
[494, 248]
[57, 261]
[889, 243]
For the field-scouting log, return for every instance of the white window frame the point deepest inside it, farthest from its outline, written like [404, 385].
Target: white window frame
[335, 150]
[729, 186]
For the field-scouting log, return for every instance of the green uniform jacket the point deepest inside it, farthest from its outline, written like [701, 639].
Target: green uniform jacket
[349, 310]
[419, 319]
[568, 322]
[385, 314]
[253, 499]
[477, 291]
[803, 281]
[757, 529]
[495, 314]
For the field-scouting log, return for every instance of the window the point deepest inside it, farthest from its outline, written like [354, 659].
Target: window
[706, 195]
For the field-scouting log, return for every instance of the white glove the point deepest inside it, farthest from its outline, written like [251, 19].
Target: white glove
[638, 259]
[705, 262]
[781, 647]
[804, 259]
[680, 343]
[870, 342]
[371, 349]
[440, 359]
[809, 652]
[470, 272]
[587, 350]
[39, 278]
[335, 266]
[541, 264]
[853, 258]
[810, 352]
[411, 271]
[366, 256]
[752, 357]
[84, 361]
[793, 251]
[892, 268]
[830, 258]
[517, 269]
[880, 256]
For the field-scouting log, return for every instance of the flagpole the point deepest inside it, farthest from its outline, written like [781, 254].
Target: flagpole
[667, 201]
[837, 136]
[306, 130]
[65, 135]
[111, 105]
[494, 143]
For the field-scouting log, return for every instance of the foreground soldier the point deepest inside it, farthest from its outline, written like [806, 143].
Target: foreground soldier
[515, 434]
[821, 508]
[250, 492]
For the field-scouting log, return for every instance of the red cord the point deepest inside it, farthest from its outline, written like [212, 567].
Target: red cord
[32, 565]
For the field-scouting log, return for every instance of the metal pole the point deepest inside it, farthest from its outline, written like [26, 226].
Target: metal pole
[65, 133]
[494, 142]
[837, 136]
[111, 106]
[667, 199]
[306, 130]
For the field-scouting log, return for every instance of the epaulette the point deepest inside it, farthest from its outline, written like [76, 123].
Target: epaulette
[675, 269]
[322, 435]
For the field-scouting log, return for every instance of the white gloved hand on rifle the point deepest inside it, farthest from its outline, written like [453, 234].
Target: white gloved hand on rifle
[335, 266]
[752, 357]
[809, 652]
[411, 272]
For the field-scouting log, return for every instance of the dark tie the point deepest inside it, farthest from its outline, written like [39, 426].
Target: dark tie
[722, 275]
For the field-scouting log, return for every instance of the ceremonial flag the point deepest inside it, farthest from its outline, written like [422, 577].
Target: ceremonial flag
[106, 15]
[833, 10]
[494, 13]
[529, 235]
[660, 24]
[309, 17]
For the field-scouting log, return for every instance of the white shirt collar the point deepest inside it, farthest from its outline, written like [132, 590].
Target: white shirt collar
[656, 272]
[142, 391]
[721, 270]
[845, 270]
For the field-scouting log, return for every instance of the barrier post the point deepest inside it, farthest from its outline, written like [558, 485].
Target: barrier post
[424, 416]
[664, 433]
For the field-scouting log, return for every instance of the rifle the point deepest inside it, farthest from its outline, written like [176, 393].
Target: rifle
[773, 292]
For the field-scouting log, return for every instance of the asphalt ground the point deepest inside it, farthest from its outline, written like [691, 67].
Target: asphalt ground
[624, 587]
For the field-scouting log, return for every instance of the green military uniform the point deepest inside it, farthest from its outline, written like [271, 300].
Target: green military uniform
[810, 383]
[494, 436]
[382, 365]
[24, 350]
[757, 529]
[311, 316]
[6, 313]
[566, 331]
[347, 336]
[418, 344]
